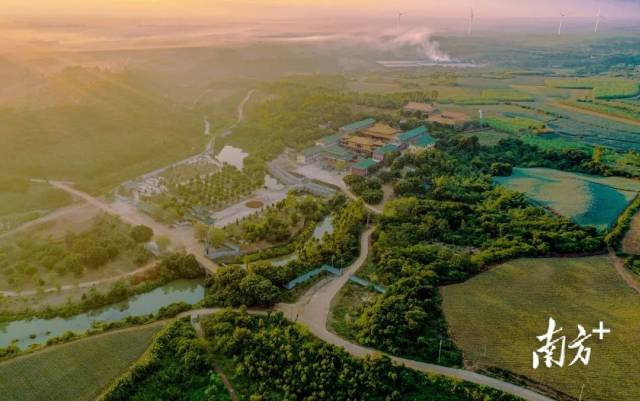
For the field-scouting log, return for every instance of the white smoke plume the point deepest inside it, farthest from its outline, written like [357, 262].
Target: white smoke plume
[386, 40]
[421, 39]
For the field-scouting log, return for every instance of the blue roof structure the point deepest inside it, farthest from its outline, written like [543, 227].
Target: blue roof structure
[358, 125]
[411, 134]
[365, 164]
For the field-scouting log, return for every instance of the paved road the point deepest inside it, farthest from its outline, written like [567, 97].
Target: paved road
[180, 237]
[313, 308]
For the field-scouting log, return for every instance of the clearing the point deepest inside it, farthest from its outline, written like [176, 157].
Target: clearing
[495, 325]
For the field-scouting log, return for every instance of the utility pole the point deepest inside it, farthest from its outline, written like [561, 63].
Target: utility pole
[581, 392]
[440, 351]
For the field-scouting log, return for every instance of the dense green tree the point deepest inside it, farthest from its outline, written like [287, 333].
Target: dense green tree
[141, 233]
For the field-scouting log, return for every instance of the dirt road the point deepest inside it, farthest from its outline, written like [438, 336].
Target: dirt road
[86, 284]
[241, 106]
[180, 237]
[56, 214]
[625, 274]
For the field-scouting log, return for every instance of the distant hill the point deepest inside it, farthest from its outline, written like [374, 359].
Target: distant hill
[95, 127]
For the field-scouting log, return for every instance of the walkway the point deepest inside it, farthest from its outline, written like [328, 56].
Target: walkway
[313, 308]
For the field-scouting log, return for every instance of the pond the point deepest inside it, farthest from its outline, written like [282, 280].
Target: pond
[324, 227]
[37, 331]
[233, 156]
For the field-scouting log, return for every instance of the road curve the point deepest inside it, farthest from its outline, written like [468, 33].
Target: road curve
[313, 308]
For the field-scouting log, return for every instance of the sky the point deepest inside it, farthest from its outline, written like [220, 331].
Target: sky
[315, 9]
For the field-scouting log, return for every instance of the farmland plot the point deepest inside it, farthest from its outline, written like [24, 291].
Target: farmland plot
[495, 325]
[76, 371]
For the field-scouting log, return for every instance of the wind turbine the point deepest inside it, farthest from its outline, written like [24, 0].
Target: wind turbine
[562, 18]
[400, 14]
[599, 18]
[471, 17]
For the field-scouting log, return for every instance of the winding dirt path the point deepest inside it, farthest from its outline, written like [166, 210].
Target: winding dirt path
[54, 215]
[86, 284]
[625, 274]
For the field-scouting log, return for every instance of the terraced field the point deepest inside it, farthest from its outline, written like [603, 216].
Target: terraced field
[76, 371]
[587, 200]
[496, 316]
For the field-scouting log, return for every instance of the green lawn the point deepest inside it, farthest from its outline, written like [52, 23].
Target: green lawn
[76, 371]
[496, 316]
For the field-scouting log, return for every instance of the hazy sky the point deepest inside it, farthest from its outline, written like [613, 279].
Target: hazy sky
[302, 9]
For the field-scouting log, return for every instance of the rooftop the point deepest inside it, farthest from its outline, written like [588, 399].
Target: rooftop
[425, 107]
[408, 135]
[338, 152]
[365, 164]
[450, 117]
[388, 148]
[381, 130]
[330, 139]
[424, 141]
[361, 140]
[312, 151]
[359, 125]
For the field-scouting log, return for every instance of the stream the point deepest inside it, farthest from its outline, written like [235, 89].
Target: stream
[37, 331]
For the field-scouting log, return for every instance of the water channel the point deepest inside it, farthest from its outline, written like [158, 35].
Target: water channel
[37, 331]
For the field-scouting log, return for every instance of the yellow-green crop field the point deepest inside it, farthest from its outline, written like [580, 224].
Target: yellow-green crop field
[603, 87]
[496, 316]
[75, 371]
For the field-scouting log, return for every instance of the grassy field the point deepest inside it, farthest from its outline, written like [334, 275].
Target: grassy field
[588, 200]
[602, 87]
[496, 316]
[76, 371]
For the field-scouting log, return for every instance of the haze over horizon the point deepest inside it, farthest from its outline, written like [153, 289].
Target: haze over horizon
[309, 9]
